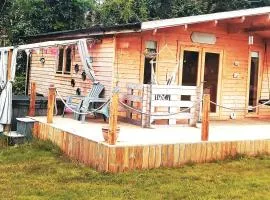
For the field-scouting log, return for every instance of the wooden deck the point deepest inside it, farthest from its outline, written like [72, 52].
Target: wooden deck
[139, 148]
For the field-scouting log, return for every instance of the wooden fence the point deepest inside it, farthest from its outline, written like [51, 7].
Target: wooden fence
[163, 100]
[174, 99]
[134, 99]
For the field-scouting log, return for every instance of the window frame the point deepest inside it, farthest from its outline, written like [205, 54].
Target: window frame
[64, 61]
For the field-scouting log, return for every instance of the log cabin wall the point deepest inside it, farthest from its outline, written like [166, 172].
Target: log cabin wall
[234, 48]
[45, 74]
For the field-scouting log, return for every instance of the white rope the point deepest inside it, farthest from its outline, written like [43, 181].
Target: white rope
[55, 108]
[240, 109]
[162, 115]
[81, 113]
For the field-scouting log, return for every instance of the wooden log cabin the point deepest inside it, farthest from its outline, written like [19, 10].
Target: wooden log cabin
[228, 53]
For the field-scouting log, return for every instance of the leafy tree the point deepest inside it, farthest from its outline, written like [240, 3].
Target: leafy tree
[30, 17]
[120, 11]
[182, 8]
[221, 5]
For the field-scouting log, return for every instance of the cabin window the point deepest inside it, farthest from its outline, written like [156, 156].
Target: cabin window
[150, 54]
[190, 68]
[64, 60]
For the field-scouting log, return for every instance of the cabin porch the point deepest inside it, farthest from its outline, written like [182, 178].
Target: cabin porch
[138, 148]
[229, 130]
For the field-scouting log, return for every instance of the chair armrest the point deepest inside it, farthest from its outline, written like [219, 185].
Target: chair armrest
[71, 98]
[97, 100]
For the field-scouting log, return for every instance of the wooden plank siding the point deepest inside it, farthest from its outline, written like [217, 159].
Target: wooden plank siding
[44, 75]
[113, 158]
[129, 63]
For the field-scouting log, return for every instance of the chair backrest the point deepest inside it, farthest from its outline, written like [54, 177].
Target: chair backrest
[95, 92]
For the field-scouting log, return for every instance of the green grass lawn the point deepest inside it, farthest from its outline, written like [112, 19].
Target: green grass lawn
[40, 171]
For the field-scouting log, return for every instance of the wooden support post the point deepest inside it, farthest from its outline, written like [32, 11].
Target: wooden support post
[113, 119]
[51, 102]
[32, 106]
[205, 117]
[10, 53]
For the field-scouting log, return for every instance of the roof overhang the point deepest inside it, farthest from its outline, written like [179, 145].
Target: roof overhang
[96, 31]
[150, 25]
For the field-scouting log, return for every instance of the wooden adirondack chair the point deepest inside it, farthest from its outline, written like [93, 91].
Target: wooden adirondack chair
[72, 102]
[91, 102]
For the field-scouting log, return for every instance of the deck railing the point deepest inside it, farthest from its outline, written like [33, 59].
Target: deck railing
[162, 103]
[134, 99]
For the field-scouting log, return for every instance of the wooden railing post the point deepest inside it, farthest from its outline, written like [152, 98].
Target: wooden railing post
[32, 106]
[10, 54]
[205, 117]
[113, 119]
[51, 102]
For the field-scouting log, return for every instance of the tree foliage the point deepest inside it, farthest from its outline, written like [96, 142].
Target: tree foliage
[30, 17]
[127, 11]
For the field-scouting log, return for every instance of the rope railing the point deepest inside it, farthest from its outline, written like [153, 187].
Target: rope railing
[156, 115]
[149, 114]
[239, 109]
[186, 109]
[81, 113]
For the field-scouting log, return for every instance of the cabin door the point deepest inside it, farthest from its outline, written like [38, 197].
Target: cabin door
[202, 67]
[211, 76]
[253, 82]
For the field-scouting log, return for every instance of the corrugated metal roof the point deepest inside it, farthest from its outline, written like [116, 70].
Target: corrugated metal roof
[150, 25]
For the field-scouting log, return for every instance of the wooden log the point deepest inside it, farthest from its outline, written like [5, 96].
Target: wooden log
[113, 119]
[10, 53]
[51, 102]
[205, 117]
[32, 105]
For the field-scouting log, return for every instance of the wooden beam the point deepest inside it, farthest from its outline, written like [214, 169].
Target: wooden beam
[215, 23]
[238, 25]
[185, 27]
[32, 106]
[154, 31]
[10, 53]
[51, 102]
[205, 117]
[257, 29]
[113, 119]
[238, 20]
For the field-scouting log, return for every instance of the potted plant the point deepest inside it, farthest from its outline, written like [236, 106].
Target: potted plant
[105, 132]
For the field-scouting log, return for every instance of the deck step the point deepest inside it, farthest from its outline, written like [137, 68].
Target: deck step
[14, 138]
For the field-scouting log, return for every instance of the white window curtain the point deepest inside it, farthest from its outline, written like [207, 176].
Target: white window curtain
[6, 88]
